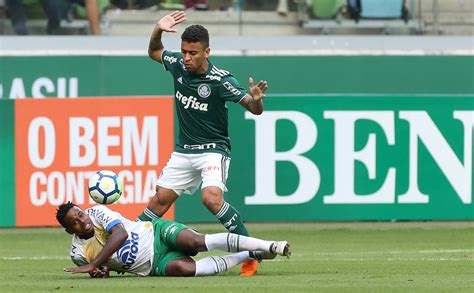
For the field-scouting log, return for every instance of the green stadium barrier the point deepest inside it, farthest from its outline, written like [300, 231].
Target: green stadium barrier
[437, 85]
[7, 163]
[333, 158]
[137, 75]
[336, 158]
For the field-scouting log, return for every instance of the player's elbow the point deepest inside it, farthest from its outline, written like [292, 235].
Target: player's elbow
[257, 111]
[154, 55]
[118, 233]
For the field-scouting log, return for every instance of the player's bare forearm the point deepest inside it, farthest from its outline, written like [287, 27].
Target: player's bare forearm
[256, 106]
[252, 105]
[155, 47]
[117, 237]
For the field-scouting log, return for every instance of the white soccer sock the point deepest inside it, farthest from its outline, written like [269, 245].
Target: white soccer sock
[233, 242]
[216, 264]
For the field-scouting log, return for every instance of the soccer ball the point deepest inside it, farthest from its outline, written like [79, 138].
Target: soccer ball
[105, 187]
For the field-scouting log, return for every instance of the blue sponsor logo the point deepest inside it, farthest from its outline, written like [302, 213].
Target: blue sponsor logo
[100, 215]
[127, 253]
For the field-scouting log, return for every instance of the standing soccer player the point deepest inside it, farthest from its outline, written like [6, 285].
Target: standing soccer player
[202, 154]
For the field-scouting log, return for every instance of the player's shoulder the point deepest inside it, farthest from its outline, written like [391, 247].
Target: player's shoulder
[171, 57]
[221, 75]
[219, 72]
[224, 80]
[172, 54]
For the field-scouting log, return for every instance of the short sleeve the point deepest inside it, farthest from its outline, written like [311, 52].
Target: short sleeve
[171, 61]
[231, 90]
[79, 260]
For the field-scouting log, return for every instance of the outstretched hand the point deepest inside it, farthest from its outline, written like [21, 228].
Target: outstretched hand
[168, 22]
[88, 268]
[93, 271]
[257, 91]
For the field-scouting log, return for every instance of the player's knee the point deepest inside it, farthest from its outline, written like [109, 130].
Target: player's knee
[187, 270]
[196, 245]
[213, 201]
[190, 242]
[161, 200]
[164, 197]
[181, 269]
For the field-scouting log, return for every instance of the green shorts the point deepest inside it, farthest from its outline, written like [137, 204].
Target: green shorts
[165, 245]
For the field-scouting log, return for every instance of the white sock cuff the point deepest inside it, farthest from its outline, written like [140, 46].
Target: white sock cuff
[216, 264]
[151, 214]
[223, 241]
[223, 210]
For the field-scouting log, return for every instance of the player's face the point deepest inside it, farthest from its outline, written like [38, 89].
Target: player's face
[78, 222]
[195, 56]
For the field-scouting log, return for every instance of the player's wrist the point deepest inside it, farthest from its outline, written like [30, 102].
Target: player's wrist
[258, 98]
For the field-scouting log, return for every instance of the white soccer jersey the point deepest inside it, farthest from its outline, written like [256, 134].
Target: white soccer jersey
[134, 256]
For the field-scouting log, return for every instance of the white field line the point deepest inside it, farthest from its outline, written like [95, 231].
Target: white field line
[446, 251]
[373, 256]
[292, 259]
[326, 256]
[295, 258]
[432, 251]
[35, 258]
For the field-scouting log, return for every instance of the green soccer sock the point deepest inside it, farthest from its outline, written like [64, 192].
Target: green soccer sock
[230, 218]
[147, 216]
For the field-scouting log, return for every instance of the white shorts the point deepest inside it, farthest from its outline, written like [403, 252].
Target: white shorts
[184, 172]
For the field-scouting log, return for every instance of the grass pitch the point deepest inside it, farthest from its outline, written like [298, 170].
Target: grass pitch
[327, 257]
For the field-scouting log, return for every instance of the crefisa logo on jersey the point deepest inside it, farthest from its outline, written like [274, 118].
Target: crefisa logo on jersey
[204, 90]
[170, 59]
[127, 253]
[191, 102]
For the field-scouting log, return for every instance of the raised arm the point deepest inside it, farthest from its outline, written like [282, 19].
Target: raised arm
[117, 237]
[254, 101]
[166, 24]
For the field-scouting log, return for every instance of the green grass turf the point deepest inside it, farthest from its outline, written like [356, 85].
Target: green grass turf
[327, 257]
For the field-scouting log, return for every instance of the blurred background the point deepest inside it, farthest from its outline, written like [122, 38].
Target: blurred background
[240, 17]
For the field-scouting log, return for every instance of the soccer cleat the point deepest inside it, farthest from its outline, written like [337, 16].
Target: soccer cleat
[249, 268]
[261, 255]
[281, 248]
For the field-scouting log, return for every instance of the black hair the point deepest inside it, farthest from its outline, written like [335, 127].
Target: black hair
[61, 212]
[196, 33]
